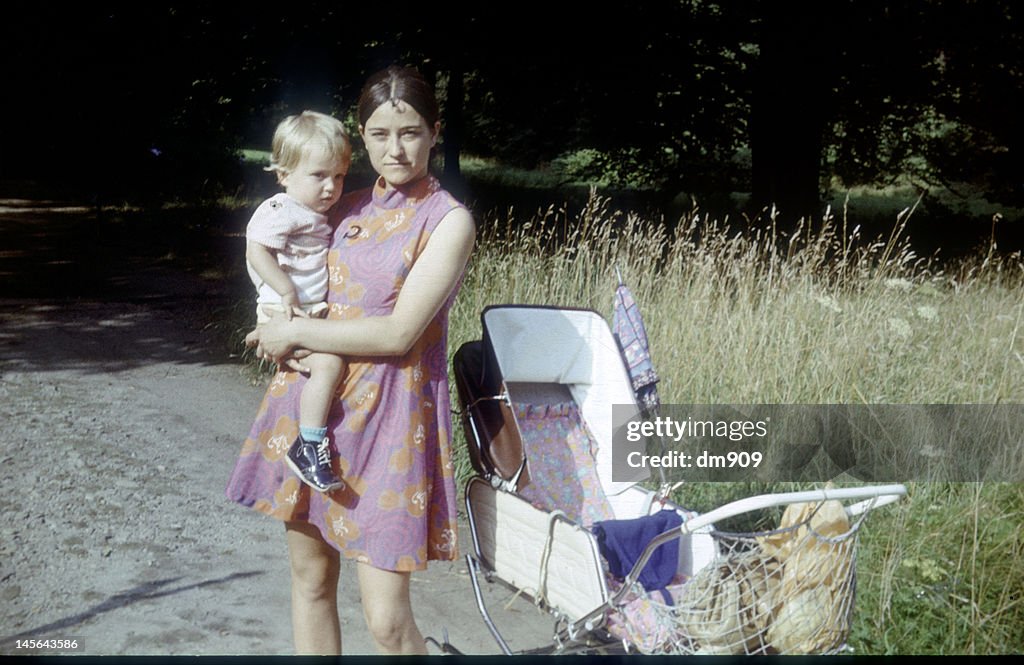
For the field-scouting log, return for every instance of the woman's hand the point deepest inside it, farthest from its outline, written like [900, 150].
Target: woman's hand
[273, 342]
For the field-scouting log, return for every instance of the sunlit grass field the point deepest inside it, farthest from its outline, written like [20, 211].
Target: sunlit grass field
[740, 315]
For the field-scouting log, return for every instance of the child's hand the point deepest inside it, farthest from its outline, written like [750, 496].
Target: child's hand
[291, 304]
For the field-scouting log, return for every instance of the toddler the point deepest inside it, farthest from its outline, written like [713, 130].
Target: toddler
[287, 241]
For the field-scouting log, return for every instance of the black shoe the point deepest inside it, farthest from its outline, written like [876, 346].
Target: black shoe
[311, 462]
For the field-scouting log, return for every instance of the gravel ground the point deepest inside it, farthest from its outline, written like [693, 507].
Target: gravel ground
[122, 422]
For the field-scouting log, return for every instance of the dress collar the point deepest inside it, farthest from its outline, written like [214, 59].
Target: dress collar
[404, 195]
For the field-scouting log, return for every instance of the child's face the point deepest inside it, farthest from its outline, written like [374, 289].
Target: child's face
[317, 180]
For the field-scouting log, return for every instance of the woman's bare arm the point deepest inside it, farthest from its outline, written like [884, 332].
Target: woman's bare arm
[428, 285]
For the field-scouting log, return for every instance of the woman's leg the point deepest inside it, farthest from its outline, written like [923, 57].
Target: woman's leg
[315, 566]
[388, 611]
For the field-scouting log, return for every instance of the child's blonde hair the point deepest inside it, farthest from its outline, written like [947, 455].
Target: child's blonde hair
[297, 133]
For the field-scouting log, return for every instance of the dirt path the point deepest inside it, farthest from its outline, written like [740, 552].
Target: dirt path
[122, 421]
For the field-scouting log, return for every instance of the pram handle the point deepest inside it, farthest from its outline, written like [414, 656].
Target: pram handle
[869, 496]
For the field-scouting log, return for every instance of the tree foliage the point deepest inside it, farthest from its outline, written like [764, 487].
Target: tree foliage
[690, 95]
[933, 94]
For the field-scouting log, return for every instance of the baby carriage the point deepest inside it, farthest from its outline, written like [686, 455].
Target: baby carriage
[618, 565]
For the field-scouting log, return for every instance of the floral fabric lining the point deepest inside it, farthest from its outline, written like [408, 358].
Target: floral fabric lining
[560, 454]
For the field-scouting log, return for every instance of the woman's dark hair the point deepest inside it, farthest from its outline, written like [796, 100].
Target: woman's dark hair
[396, 84]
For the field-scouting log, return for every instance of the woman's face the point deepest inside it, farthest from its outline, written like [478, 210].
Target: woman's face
[398, 141]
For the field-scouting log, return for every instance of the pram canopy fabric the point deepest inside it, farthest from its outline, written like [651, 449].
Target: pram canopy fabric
[570, 347]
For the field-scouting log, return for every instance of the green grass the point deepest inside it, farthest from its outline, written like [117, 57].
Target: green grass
[254, 156]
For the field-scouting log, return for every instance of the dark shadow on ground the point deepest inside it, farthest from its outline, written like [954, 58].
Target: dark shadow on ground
[147, 591]
[109, 289]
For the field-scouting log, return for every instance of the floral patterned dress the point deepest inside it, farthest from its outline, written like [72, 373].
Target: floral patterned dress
[390, 426]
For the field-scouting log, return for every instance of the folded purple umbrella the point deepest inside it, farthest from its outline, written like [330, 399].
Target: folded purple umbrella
[628, 328]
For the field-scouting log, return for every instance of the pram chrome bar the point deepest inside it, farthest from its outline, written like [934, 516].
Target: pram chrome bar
[512, 484]
[473, 570]
[881, 494]
[884, 493]
[870, 497]
[444, 646]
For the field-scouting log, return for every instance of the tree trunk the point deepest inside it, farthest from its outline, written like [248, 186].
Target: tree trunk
[453, 129]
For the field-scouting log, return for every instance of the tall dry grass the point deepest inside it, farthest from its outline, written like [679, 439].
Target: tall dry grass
[753, 315]
[747, 314]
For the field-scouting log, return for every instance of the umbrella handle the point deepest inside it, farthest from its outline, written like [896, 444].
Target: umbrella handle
[618, 274]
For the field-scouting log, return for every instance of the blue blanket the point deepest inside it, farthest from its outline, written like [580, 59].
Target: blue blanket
[622, 542]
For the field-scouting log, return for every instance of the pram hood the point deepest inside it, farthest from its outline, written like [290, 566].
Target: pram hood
[567, 346]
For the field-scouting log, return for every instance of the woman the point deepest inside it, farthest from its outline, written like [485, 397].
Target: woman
[395, 265]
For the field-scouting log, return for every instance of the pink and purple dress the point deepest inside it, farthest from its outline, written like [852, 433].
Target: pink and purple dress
[390, 427]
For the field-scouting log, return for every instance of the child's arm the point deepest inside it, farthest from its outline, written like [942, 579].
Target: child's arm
[264, 262]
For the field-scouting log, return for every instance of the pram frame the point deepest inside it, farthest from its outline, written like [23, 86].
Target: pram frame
[573, 634]
[585, 630]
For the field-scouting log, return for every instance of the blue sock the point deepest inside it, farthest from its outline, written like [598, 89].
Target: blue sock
[312, 434]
